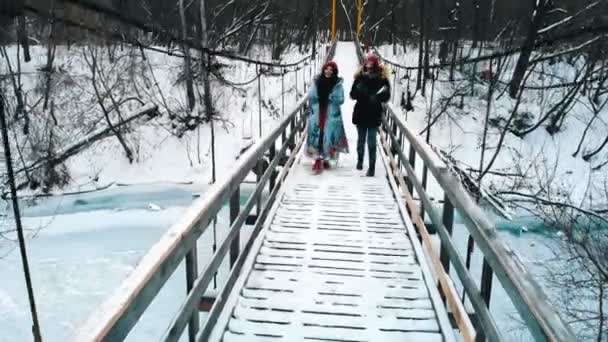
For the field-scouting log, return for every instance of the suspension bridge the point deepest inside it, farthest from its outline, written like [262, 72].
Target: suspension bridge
[336, 257]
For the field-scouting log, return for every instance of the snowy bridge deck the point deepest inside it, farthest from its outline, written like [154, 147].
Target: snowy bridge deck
[335, 257]
[336, 263]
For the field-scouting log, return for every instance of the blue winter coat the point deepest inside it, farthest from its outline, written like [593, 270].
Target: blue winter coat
[334, 136]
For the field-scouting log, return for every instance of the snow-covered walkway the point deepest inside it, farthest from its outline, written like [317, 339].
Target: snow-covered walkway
[334, 262]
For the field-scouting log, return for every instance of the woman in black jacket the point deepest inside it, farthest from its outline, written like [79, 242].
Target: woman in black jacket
[370, 89]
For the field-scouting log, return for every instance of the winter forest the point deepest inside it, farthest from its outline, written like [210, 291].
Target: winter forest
[119, 113]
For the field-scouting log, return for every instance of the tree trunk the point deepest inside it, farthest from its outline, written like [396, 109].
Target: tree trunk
[205, 64]
[23, 38]
[476, 24]
[528, 47]
[106, 114]
[420, 47]
[455, 40]
[77, 147]
[485, 126]
[187, 61]
[50, 57]
[16, 85]
[393, 27]
[427, 73]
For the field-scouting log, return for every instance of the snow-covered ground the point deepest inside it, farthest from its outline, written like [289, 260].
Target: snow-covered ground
[160, 156]
[546, 160]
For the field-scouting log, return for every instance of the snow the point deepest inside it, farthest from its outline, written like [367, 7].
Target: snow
[82, 246]
[159, 155]
[74, 266]
[81, 251]
[335, 238]
[538, 155]
[79, 258]
[546, 160]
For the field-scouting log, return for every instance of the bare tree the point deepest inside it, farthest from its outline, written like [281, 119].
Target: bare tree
[577, 273]
[528, 47]
[92, 61]
[187, 62]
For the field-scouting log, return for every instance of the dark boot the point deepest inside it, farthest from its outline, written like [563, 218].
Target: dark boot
[360, 164]
[371, 172]
[326, 165]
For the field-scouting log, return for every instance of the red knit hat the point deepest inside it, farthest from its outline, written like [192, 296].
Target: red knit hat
[331, 64]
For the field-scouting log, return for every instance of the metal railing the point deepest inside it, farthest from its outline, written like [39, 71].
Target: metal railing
[120, 313]
[499, 260]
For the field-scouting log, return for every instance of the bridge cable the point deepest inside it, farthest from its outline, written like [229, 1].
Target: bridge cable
[135, 42]
[15, 204]
[601, 29]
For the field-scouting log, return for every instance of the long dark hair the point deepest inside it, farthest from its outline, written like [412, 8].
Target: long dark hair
[326, 85]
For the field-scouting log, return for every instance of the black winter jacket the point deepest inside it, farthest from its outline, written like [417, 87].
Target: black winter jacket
[370, 91]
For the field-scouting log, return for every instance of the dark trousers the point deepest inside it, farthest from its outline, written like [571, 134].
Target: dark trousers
[369, 134]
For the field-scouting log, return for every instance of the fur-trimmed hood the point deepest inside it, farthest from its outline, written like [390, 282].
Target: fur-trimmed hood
[384, 71]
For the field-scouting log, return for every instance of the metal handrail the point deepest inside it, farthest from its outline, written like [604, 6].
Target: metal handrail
[499, 260]
[115, 318]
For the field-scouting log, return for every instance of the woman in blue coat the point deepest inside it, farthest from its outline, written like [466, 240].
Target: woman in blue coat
[326, 135]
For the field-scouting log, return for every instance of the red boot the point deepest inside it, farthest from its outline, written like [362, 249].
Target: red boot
[317, 166]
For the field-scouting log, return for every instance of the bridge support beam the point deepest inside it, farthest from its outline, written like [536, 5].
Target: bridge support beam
[333, 21]
[359, 15]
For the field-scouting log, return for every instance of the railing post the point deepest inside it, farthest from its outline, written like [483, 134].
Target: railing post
[396, 71]
[273, 178]
[191, 275]
[282, 92]
[296, 84]
[412, 157]
[486, 282]
[425, 172]
[400, 140]
[293, 125]
[470, 245]
[486, 293]
[235, 208]
[394, 131]
[259, 101]
[448, 222]
[259, 166]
